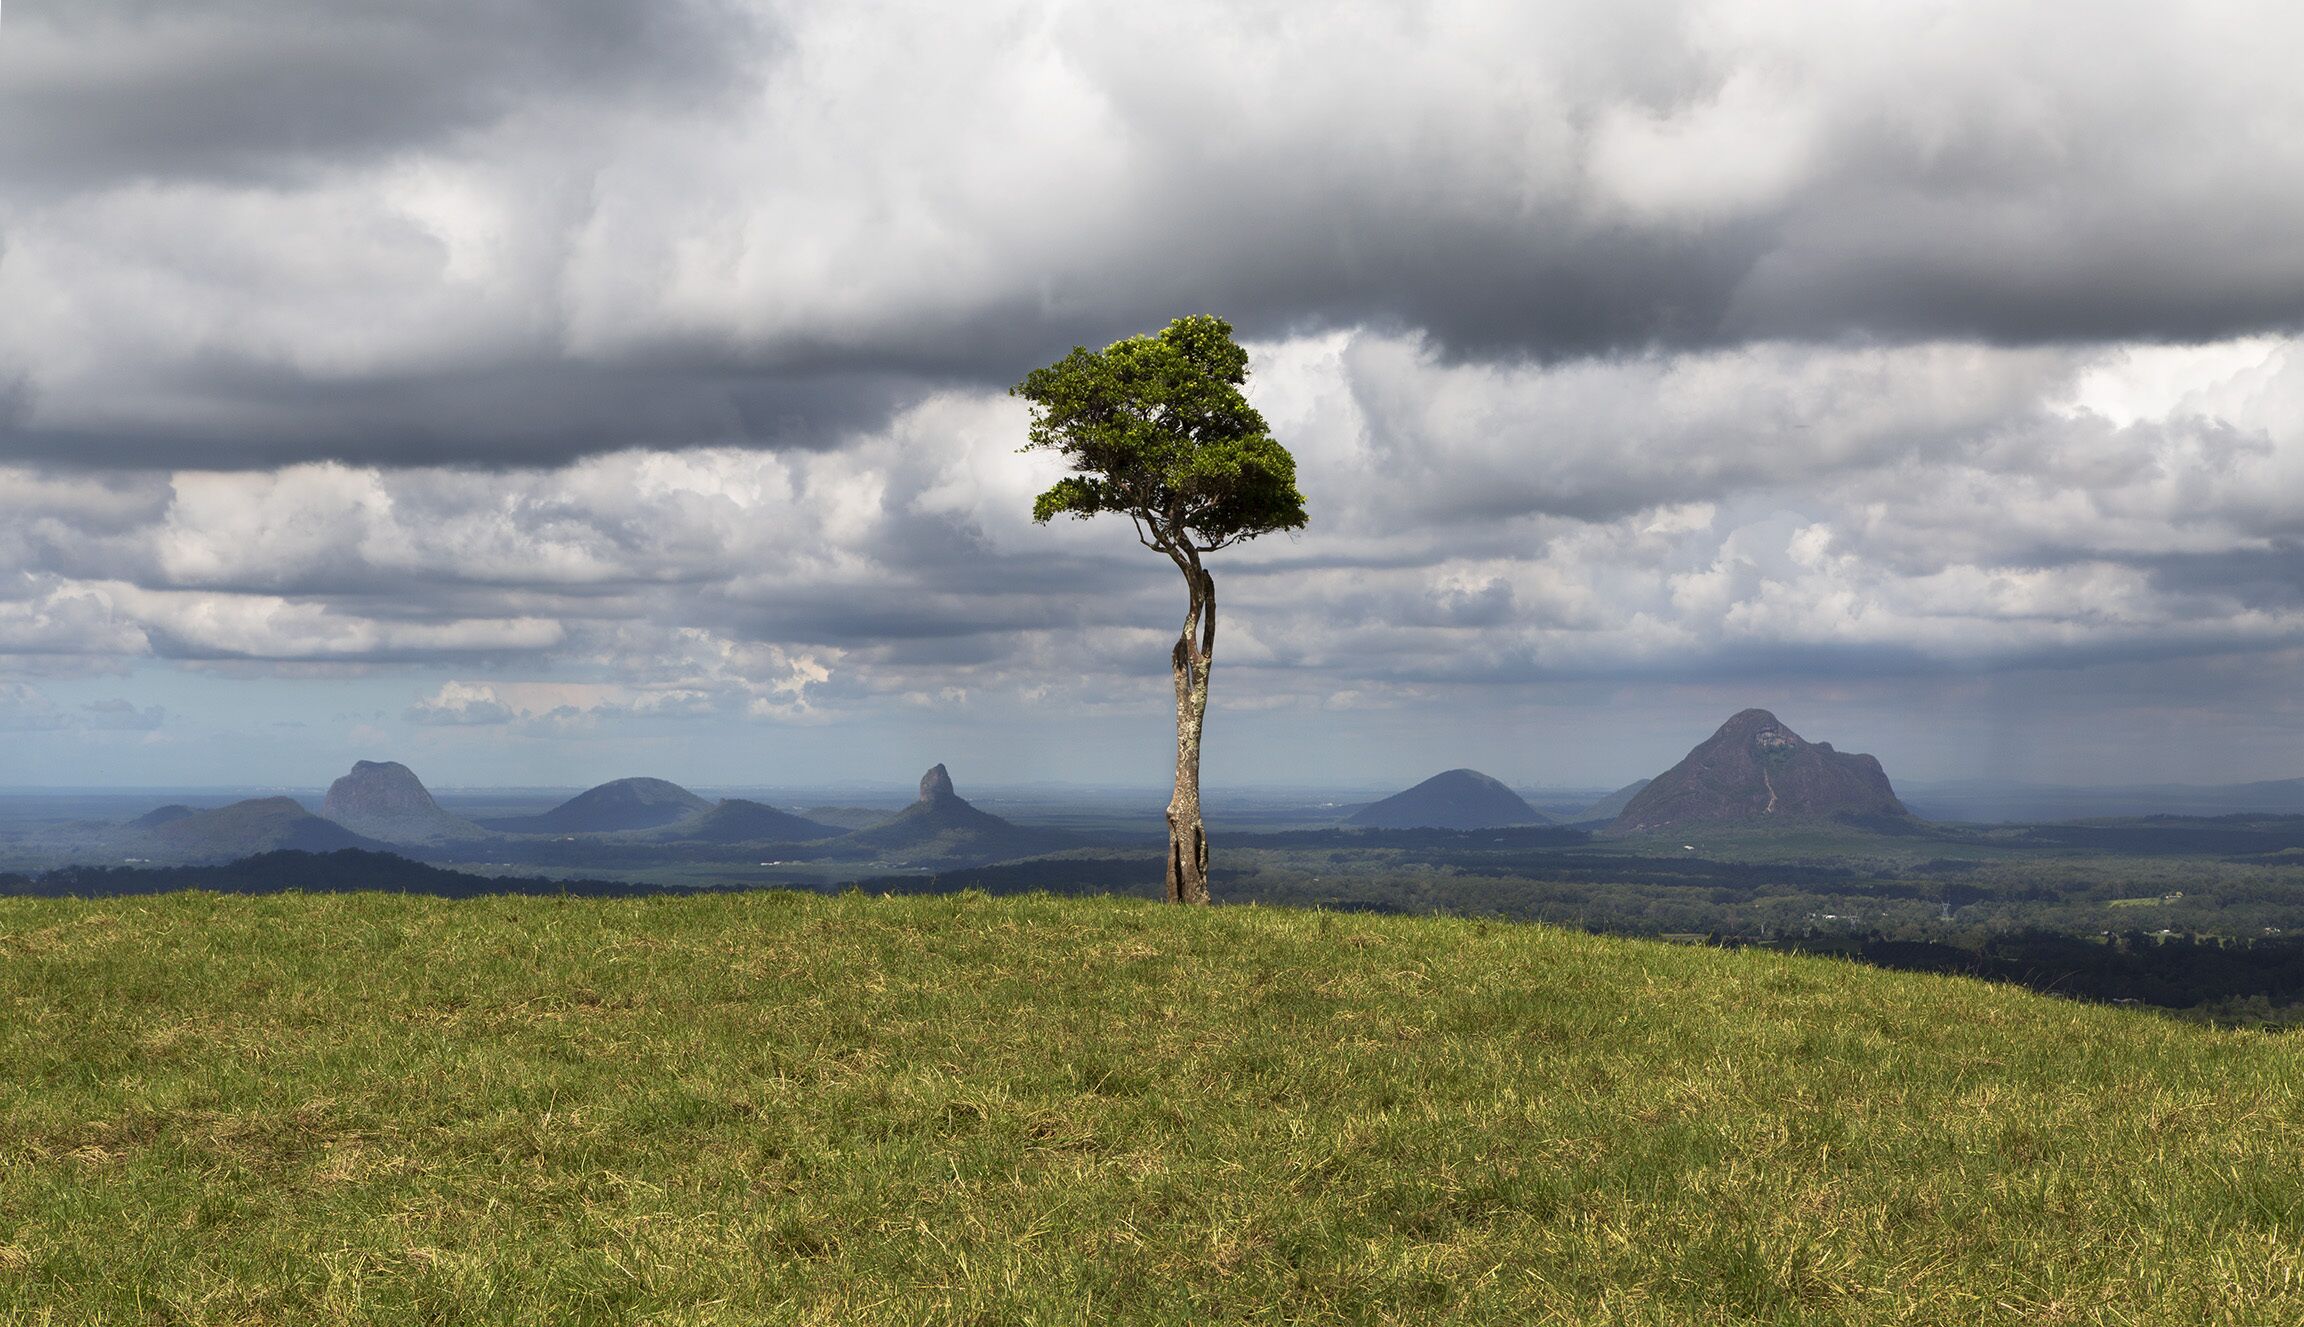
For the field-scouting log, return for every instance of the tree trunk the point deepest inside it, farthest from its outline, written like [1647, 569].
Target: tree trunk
[1187, 837]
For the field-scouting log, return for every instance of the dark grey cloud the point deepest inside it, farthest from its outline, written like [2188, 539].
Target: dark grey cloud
[517, 232]
[2269, 579]
[1875, 511]
[492, 415]
[97, 93]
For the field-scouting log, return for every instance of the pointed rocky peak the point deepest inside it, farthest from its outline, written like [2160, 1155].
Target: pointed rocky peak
[942, 826]
[936, 787]
[1757, 769]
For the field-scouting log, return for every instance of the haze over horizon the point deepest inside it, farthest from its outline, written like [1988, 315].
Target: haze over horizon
[540, 394]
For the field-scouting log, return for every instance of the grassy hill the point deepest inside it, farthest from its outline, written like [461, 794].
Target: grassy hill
[779, 1108]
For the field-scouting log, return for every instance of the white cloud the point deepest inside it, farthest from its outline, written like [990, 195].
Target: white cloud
[459, 704]
[27, 709]
[24, 709]
[1943, 505]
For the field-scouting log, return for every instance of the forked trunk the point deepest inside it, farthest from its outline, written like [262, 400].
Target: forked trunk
[1187, 837]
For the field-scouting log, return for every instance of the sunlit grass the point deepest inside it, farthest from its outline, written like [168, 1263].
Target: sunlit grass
[777, 1108]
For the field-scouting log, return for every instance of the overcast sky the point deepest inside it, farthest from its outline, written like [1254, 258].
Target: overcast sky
[543, 391]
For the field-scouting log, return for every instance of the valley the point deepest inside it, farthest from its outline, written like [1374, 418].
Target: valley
[1757, 837]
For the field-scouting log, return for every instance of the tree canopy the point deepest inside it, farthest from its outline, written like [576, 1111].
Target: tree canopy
[1156, 428]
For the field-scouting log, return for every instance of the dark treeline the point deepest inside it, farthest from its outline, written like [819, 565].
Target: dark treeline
[2251, 973]
[2253, 980]
[2225, 980]
[346, 871]
[1518, 836]
[1641, 870]
[2233, 835]
[606, 853]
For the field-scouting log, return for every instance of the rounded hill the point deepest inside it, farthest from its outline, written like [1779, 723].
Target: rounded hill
[741, 820]
[1456, 799]
[243, 829]
[612, 808]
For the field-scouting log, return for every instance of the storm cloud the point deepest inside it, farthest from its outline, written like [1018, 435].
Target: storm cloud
[514, 233]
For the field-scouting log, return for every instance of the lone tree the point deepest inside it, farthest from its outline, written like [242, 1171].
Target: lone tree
[1156, 428]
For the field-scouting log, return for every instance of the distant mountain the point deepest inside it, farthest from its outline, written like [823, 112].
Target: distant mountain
[384, 800]
[738, 820]
[1755, 769]
[942, 827]
[1457, 799]
[163, 815]
[611, 808]
[1612, 806]
[243, 829]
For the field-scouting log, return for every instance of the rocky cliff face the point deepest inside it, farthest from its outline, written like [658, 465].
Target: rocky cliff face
[936, 787]
[384, 800]
[1457, 799]
[1756, 769]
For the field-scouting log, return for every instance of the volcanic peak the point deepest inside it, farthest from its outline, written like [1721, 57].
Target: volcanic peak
[1755, 769]
[942, 825]
[936, 786]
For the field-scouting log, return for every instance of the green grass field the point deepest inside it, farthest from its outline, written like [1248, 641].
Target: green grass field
[775, 1108]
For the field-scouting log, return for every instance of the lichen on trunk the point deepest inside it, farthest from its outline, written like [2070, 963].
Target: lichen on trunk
[1187, 868]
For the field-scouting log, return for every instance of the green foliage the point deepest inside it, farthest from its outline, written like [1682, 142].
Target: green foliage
[1156, 428]
[856, 1110]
